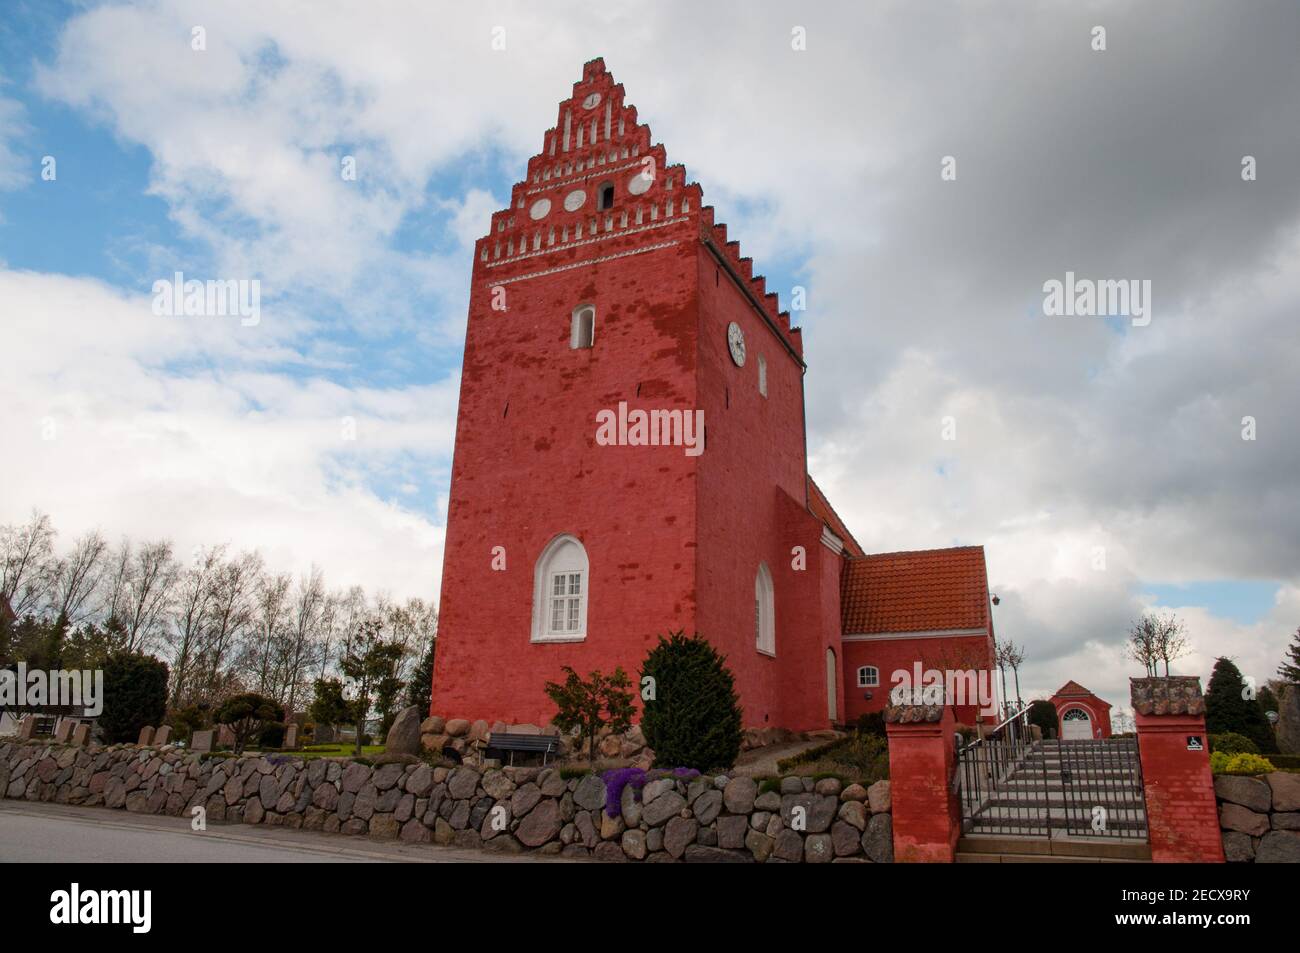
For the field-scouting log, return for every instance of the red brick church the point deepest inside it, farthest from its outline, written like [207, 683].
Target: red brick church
[631, 458]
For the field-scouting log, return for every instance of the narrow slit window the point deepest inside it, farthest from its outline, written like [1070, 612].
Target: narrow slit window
[605, 196]
[583, 332]
[762, 376]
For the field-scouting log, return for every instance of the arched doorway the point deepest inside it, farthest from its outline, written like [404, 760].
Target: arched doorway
[832, 708]
[1076, 725]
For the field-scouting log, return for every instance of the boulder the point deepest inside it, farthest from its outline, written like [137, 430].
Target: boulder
[1279, 847]
[878, 840]
[590, 793]
[524, 799]
[1285, 821]
[663, 807]
[845, 839]
[854, 792]
[1248, 792]
[462, 783]
[708, 806]
[818, 849]
[457, 727]
[698, 854]
[878, 798]
[634, 844]
[541, 825]
[760, 845]
[739, 794]
[731, 831]
[433, 725]
[1238, 848]
[679, 834]
[1285, 785]
[855, 813]
[1234, 817]
[404, 735]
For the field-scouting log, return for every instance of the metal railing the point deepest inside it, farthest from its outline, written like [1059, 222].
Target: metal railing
[1001, 786]
[1102, 785]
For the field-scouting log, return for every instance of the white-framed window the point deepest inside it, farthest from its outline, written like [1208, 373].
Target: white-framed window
[868, 677]
[583, 330]
[561, 583]
[764, 612]
[762, 375]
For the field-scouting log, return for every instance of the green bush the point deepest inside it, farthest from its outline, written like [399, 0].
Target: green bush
[1229, 742]
[1243, 763]
[248, 715]
[693, 718]
[272, 735]
[135, 695]
[872, 723]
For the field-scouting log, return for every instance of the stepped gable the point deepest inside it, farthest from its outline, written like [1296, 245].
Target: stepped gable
[555, 219]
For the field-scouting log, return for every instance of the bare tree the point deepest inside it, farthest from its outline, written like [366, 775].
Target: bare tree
[270, 610]
[77, 577]
[153, 573]
[1155, 639]
[1014, 657]
[304, 632]
[1142, 644]
[27, 565]
[117, 581]
[190, 614]
[233, 590]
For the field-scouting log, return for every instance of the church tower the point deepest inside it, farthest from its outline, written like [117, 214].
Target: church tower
[630, 452]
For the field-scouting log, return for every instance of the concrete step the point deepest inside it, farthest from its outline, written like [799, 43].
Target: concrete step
[1058, 847]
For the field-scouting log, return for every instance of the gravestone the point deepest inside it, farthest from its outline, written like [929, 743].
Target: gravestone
[291, 737]
[146, 736]
[81, 734]
[324, 735]
[202, 740]
[63, 730]
[163, 736]
[225, 736]
[27, 728]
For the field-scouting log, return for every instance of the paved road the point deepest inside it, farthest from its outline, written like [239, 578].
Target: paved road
[33, 832]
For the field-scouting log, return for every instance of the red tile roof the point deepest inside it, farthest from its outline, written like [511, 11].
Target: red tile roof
[922, 591]
[1073, 689]
[821, 508]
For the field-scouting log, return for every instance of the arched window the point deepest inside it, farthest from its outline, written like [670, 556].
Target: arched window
[605, 196]
[868, 677]
[583, 331]
[560, 592]
[764, 614]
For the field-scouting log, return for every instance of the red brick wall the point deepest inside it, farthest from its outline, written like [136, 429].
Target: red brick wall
[1097, 710]
[926, 812]
[1181, 813]
[891, 655]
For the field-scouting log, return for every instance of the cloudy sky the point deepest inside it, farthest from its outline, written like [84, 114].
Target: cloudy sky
[1101, 464]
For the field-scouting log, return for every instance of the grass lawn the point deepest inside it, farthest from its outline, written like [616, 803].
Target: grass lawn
[335, 751]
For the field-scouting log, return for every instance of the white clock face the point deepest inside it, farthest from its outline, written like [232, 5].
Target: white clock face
[541, 208]
[592, 101]
[736, 343]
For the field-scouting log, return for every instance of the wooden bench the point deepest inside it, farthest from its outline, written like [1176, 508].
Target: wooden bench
[505, 741]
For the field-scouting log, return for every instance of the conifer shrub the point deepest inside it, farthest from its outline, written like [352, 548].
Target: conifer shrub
[690, 710]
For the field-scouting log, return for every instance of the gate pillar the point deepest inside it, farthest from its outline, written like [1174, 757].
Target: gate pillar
[1182, 818]
[922, 767]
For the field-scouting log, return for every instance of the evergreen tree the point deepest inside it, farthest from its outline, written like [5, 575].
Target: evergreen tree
[1043, 714]
[1290, 667]
[1228, 709]
[419, 692]
[135, 695]
[690, 713]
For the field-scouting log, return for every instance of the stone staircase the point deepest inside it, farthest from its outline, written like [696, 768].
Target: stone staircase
[1042, 808]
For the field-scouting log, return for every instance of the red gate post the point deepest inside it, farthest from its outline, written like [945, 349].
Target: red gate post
[1182, 817]
[922, 763]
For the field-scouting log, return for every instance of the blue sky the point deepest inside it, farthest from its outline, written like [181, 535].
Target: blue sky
[1073, 435]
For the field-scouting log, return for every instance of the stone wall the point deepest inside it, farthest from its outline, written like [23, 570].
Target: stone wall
[1260, 817]
[497, 809]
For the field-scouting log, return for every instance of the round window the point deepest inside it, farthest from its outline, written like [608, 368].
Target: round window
[574, 200]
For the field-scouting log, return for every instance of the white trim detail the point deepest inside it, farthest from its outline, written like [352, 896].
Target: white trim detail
[928, 634]
[831, 541]
[584, 263]
[764, 611]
